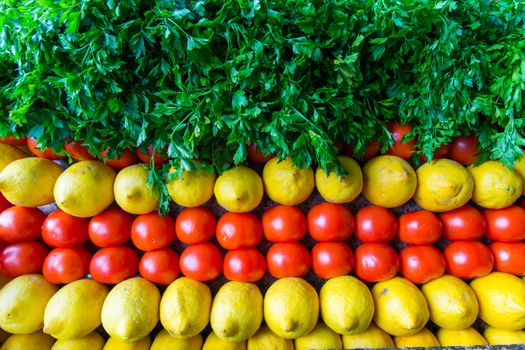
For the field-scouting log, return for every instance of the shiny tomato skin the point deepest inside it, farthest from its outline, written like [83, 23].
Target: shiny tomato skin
[420, 227]
[14, 141]
[111, 228]
[509, 257]
[22, 258]
[332, 259]
[401, 149]
[463, 224]
[78, 151]
[160, 266]
[238, 230]
[159, 158]
[375, 262]
[61, 230]
[201, 262]
[152, 231]
[19, 224]
[4, 203]
[422, 263]
[330, 222]
[126, 159]
[463, 149]
[256, 156]
[468, 259]
[195, 225]
[505, 225]
[65, 265]
[375, 224]
[45, 153]
[288, 260]
[244, 265]
[283, 223]
[114, 264]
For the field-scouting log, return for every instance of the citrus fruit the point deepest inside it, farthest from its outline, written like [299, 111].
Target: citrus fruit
[496, 336]
[372, 338]
[286, 183]
[239, 189]
[321, 337]
[132, 193]
[9, 154]
[92, 341]
[340, 189]
[460, 337]
[115, 344]
[37, 340]
[164, 341]
[265, 339]
[423, 339]
[193, 188]
[213, 342]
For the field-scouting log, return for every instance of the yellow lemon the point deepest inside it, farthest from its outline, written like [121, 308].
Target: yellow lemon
[452, 303]
[33, 341]
[213, 342]
[132, 193]
[115, 344]
[265, 339]
[423, 339]
[9, 154]
[92, 341]
[192, 189]
[460, 337]
[239, 189]
[495, 185]
[496, 336]
[501, 299]
[164, 341]
[29, 182]
[287, 184]
[340, 189]
[373, 338]
[321, 337]
[389, 181]
[85, 189]
[519, 167]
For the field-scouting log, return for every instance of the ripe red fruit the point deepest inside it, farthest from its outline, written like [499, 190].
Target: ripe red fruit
[283, 223]
[201, 261]
[22, 258]
[463, 149]
[421, 264]
[62, 230]
[375, 224]
[332, 259]
[463, 224]
[400, 148]
[160, 266]
[288, 260]
[330, 222]
[19, 224]
[114, 264]
[48, 153]
[244, 265]
[420, 227]
[238, 230]
[65, 265]
[375, 262]
[195, 225]
[468, 259]
[152, 231]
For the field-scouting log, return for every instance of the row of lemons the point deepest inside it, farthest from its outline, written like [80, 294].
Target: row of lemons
[345, 313]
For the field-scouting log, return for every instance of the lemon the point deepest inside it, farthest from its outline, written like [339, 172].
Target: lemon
[9, 154]
[131, 309]
[185, 307]
[519, 167]
[74, 311]
[22, 303]
[192, 189]
[501, 299]
[373, 338]
[452, 303]
[29, 182]
[115, 344]
[287, 184]
[291, 307]
[460, 337]
[502, 337]
[423, 339]
[164, 341]
[265, 339]
[239, 189]
[347, 305]
[401, 309]
[340, 189]
[33, 341]
[92, 341]
[132, 193]
[321, 337]
[495, 185]
[213, 342]
[85, 189]
[389, 181]
[237, 311]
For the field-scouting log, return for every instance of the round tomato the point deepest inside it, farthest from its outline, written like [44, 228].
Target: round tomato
[468, 259]
[238, 230]
[375, 262]
[420, 227]
[330, 222]
[439, 153]
[244, 265]
[14, 141]
[509, 257]
[22, 258]
[257, 156]
[19, 224]
[288, 260]
[152, 231]
[372, 149]
[195, 225]
[283, 223]
[4, 203]
[126, 159]
[78, 151]
[114, 264]
[375, 224]
[201, 261]
[332, 259]
[159, 158]
[64, 265]
[463, 149]
[110, 228]
[422, 263]
[48, 153]
[463, 224]
[505, 225]
[160, 266]
[61, 230]
[400, 148]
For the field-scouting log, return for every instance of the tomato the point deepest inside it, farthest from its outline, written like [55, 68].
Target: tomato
[110, 228]
[467, 259]
[422, 263]
[376, 262]
[195, 225]
[288, 260]
[126, 159]
[330, 222]
[400, 148]
[420, 227]
[48, 153]
[244, 265]
[201, 261]
[463, 224]
[65, 265]
[238, 230]
[160, 266]
[332, 259]
[114, 264]
[22, 258]
[372, 149]
[439, 153]
[283, 223]
[4, 203]
[375, 224]
[463, 149]
[19, 224]
[78, 151]
[152, 231]
[62, 230]
[159, 158]
[505, 225]
[14, 141]
[509, 257]
[257, 156]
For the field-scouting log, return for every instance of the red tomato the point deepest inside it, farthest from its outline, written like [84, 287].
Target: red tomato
[375, 262]
[160, 266]
[332, 259]
[468, 259]
[65, 265]
[244, 265]
[375, 224]
[509, 257]
[330, 222]
[19, 224]
[463, 149]
[439, 153]
[288, 260]
[114, 264]
[371, 150]
[152, 231]
[159, 158]
[4, 203]
[78, 151]
[422, 263]
[505, 225]
[400, 148]
[283, 223]
[14, 141]
[45, 153]
[126, 159]
[463, 224]
[201, 261]
[110, 228]
[62, 230]
[257, 156]
[22, 258]
[238, 230]
[420, 227]
[195, 225]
